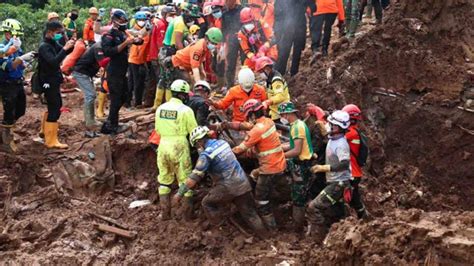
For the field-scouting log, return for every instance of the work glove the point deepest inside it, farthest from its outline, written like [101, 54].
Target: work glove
[16, 42]
[255, 174]
[266, 104]
[320, 168]
[27, 57]
[101, 12]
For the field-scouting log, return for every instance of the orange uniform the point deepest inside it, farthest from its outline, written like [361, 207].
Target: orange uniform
[263, 12]
[266, 140]
[138, 53]
[252, 42]
[237, 96]
[330, 6]
[191, 56]
[88, 32]
[353, 139]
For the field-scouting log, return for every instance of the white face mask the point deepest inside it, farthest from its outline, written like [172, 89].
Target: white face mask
[211, 46]
[141, 23]
[284, 121]
[328, 128]
[249, 27]
[169, 19]
[189, 24]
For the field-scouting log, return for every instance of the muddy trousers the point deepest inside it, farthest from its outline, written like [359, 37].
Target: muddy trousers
[321, 25]
[294, 37]
[137, 75]
[352, 16]
[13, 100]
[263, 190]
[376, 5]
[233, 51]
[117, 94]
[327, 208]
[301, 175]
[53, 101]
[215, 205]
[356, 202]
[151, 81]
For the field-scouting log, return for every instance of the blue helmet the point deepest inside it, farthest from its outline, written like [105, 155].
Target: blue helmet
[119, 14]
[141, 15]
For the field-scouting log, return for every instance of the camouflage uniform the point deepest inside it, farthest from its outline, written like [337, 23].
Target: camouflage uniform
[352, 8]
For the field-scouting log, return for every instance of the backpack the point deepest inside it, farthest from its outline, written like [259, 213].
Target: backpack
[363, 149]
[36, 87]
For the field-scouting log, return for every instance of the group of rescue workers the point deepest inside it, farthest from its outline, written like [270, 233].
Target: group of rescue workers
[166, 57]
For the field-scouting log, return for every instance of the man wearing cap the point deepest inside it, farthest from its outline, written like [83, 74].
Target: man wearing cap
[88, 32]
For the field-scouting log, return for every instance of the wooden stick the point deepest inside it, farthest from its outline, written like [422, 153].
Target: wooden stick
[110, 220]
[115, 230]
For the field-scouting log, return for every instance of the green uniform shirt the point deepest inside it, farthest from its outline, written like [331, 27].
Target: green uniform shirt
[174, 120]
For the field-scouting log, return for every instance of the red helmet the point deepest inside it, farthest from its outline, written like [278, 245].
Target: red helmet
[246, 15]
[316, 111]
[220, 3]
[353, 111]
[252, 105]
[262, 62]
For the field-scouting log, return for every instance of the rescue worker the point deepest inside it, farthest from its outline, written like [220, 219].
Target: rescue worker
[328, 207]
[376, 5]
[50, 56]
[69, 24]
[12, 65]
[354, 139]
[263, 11]
[178, 30]
[277, 88]
[230, 183]
[115, 45]
[88, 32]
[321, 22]
[238, 95]
[53, 16]
[137, 59]
[255, 40]
[198, 102]
[264, 139]
[173, 122]
[299, 152]
[352, 17]
[230, 26]
[290, 33]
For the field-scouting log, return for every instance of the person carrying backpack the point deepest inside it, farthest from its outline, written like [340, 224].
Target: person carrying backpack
[359, 151]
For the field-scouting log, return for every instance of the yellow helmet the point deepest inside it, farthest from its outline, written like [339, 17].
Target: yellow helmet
[93, 10]
[194, 29]
[13, 26]
[52, 15]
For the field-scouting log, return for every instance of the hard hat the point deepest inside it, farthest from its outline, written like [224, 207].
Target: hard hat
[262, 62]
[119, 14]
[13, 26]
[198, 133]
[340, 119]
[194, 29]
[202, 85]
[217, 3]
[145, 9]
[141, 15]
[93, 10]
[246, 78]
[180, 85]
[246, 15]
[214, 35]
[52, 15]
[353, 111]
[317, 111]
[192, 10]
[168, 10]
[252, 105]
[207, 8]
[286, 108]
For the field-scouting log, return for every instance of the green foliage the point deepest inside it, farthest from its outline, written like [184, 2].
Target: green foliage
[33, 14]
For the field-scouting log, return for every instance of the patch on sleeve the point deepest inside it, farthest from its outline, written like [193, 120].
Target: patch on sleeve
[196, 56]
[168, 114]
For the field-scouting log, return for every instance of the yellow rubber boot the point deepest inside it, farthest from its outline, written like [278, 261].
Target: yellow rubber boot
[43, 119]
[158, 98]
[51, 136]
[101, 104]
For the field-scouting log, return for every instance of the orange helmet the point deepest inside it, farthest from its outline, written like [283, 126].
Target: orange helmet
[316, 111]
[353, 111]
[262, 62]
[246, 15]
[252, 105]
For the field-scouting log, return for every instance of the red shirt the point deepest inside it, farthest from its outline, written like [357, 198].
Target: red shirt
[353, 139]
[156, 39]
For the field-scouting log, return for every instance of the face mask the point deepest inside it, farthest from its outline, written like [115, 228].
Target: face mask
[249, 27]
[284, 121]
[263, 76]
[122, 27]
[169, 19]
[211, 46]
[217, 14]
[247, 88]
[189, 24]
[74, 16]
[141, 23]
[328, 128]
[57, 36]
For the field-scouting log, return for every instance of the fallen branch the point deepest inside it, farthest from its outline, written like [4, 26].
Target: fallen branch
[110, 220]
[241, 229]
[115, 230]
[469, 131]
[466, 109]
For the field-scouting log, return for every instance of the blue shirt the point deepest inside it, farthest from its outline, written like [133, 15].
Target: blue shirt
[220, 163]
[7, 72]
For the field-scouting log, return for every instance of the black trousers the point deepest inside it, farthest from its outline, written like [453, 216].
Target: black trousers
[151, 80]
[233, 51]
[14, 101]
[319, 23]
[294, 37]
[376, 4]
[117, 95]
[53, 101]
[356, 202]
[137, 75]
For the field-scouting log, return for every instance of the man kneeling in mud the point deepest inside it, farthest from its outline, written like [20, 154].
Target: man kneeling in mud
[230, 181]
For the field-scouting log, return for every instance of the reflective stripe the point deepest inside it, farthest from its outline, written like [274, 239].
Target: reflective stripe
[164, 190]
[242, 146]
[218, 150]
[268, 132]
[328, 197]
[264, 202]
[355, 141]
[199, 173]
[265, 153]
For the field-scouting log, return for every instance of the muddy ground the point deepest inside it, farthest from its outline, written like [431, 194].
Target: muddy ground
[407, 75]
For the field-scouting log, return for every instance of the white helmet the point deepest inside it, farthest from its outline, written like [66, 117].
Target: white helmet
[340, 118]
[198, 133]
[246, 78]
[204, 84]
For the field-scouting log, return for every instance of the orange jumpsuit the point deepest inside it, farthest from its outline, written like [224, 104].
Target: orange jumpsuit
[252, 42]
[237, 96]
[263, 12]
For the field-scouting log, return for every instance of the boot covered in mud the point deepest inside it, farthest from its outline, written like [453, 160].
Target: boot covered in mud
[257, 226]
[8, 142]
[89, 117]
[43, 120]
[269, 221]
[317, 233]
[165, 205]
[324, 51]
[298, 218]
[51, 136]
[188, 208]
[102, 100]
[109, 129]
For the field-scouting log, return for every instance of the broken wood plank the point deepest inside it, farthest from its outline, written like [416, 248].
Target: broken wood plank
[133, 116]
[115, 230]
[110, 220]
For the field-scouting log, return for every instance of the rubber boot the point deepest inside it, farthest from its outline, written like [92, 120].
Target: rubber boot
[269, 221]
[165, 205]
[257, 226]
[158, 98]
[51, 136]
[298, 218]
[188, 208]
[89, 117]
[43, 120]
[102, 99]
[318, 233]
[8, 142]
[324, 51]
